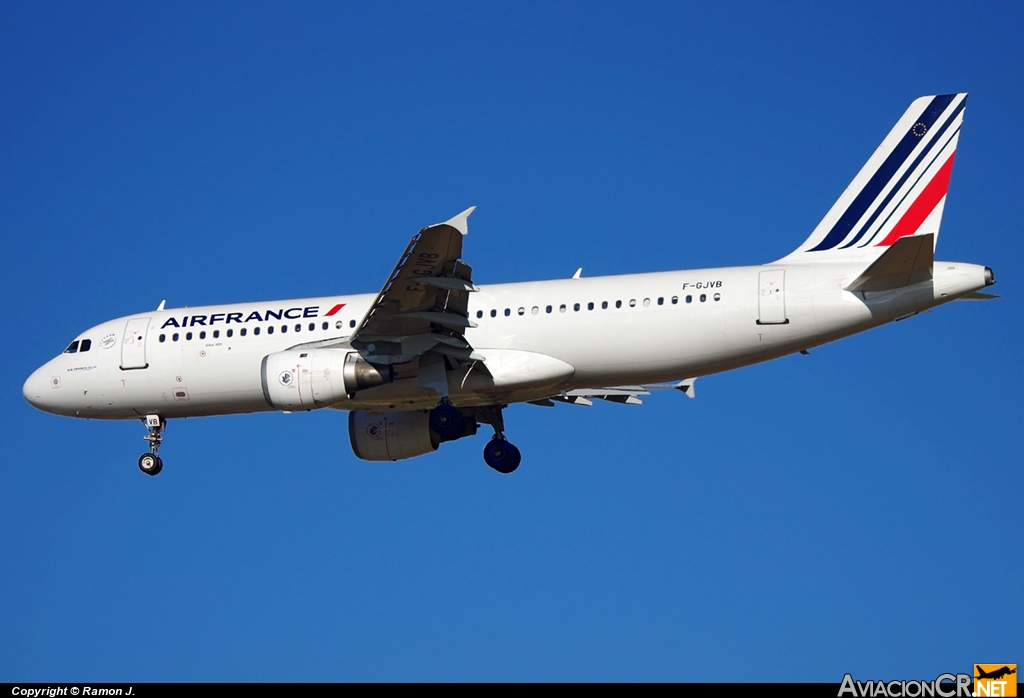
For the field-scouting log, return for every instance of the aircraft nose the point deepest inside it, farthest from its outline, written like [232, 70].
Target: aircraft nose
[37, 388]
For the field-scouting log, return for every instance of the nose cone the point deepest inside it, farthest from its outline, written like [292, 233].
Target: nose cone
[38, 388]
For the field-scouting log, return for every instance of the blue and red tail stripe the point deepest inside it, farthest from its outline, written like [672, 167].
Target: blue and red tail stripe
[922, 206]
[887, 172]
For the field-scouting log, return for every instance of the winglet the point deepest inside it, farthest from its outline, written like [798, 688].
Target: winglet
[162, 304]
[578, 274]
[686, 386]
[461, 221]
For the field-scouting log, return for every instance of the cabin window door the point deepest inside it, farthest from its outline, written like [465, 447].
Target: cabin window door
[133, 344]
[771, 299]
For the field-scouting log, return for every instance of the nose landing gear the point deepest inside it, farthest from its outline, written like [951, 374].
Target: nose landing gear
[151, 463]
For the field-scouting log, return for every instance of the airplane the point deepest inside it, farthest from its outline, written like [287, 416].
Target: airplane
[995, 674]
[433, 355]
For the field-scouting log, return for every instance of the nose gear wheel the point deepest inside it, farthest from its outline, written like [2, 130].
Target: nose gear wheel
[151, 463]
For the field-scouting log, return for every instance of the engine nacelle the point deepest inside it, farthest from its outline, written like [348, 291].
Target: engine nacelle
[305, 379]
[381, 436]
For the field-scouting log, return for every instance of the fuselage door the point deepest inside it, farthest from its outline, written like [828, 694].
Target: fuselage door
[133, 344]
[771, 297]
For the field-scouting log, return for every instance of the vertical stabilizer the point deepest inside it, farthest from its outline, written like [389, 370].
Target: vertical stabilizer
[901, 191]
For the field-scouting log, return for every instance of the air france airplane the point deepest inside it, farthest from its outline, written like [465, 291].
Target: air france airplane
[433, 355]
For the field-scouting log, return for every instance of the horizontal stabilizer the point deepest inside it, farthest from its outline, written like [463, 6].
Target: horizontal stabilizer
[908, 261]
[979, 296]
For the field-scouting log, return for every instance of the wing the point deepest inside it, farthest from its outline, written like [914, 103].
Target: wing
[424, 306]
[623, 394]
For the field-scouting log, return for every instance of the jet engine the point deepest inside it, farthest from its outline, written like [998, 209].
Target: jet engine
[305, 379]
[380, 436]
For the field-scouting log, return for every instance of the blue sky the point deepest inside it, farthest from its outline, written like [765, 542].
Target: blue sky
[847, 511]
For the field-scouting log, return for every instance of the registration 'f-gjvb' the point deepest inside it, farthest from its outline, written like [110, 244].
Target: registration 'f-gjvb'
[434, 354]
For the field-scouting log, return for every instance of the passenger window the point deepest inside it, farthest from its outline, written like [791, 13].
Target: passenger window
[216, 333]
[718, 296]
[703, 297]
[647, 302]
[561, 308]
[72, 348]
[479, 314]
[632, 302]
[689, 299]
[522, 310]
[202, 335]
[675, 300]
[174, 336]
[242, 332]
[534, 310]
[312, 326]
[298, 327]
[548, 309]
[339, 324]
[576, 306]
[270, 330]
[163, 338]
[284, 328]
[590, 306]
[618, 304]
[256, 330]
[604, 305]
[188, 336]
[231, 333]
[493, 312]
[508, 311]
[324, 326]
[661, 301]
[351, 323]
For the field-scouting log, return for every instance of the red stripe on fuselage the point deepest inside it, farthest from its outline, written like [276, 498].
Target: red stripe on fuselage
[335, 309]
[923, 206]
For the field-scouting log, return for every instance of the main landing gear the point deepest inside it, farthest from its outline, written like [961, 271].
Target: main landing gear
[450, 423]
[446, 420]
[151, 463]
[499, 453]
[502, 455]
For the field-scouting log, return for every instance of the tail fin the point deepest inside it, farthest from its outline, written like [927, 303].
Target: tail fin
[901, 190]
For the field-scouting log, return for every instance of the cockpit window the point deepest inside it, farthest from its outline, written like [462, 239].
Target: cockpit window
[86, 345]
[72, 348]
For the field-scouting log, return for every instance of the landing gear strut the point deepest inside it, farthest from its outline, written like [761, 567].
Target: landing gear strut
[499, 453]
[151, 463]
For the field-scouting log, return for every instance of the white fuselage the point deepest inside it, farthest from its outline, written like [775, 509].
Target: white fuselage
[609, 331]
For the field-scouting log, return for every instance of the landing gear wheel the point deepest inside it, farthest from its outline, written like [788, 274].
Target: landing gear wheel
[150, 463]
[447, 422]
[502, 456]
